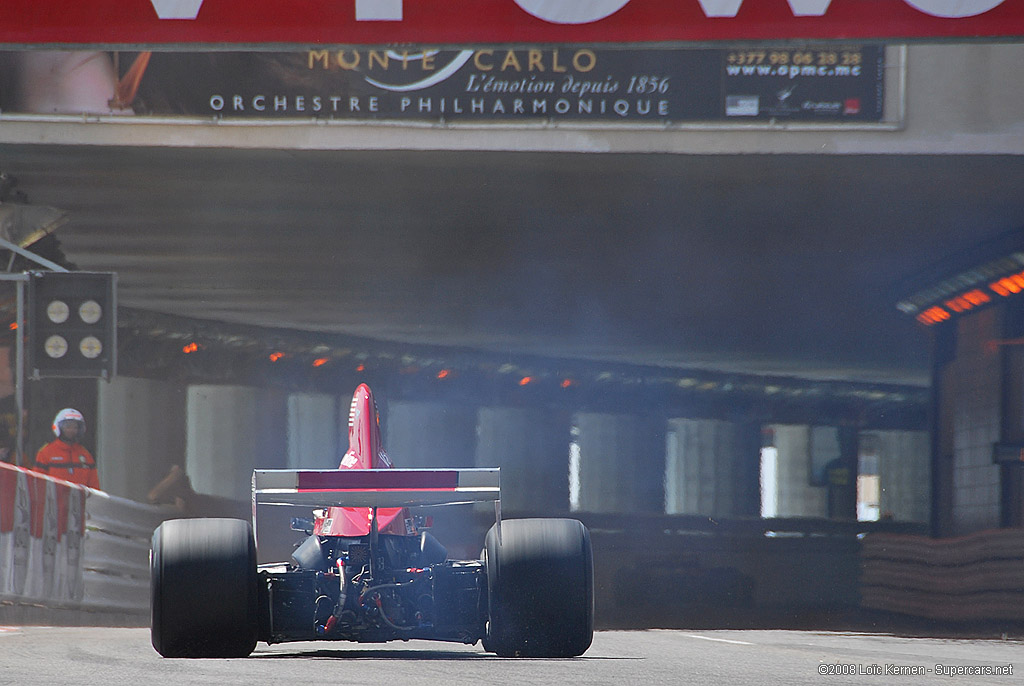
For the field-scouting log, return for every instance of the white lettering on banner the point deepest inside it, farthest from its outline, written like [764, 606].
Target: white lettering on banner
[588, 11]
[720, 8]
[571, 11]
[177, 9]
[951, 9]
[954, 9]
[809, 8]
[378, 10]
[431, 80]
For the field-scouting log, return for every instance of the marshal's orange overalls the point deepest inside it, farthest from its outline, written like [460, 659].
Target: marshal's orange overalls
[68, 461]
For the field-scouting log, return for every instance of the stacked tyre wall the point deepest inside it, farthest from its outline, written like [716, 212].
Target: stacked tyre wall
[70, 554]
[969, 578]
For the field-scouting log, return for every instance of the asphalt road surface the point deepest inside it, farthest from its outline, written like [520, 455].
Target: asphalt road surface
[94, 656]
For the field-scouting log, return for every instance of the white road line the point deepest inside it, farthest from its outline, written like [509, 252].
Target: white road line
[718, 640]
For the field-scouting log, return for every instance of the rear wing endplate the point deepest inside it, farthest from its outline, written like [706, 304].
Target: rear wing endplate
[374, 487]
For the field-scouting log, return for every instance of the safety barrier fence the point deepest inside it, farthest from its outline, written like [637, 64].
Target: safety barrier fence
[977, 577]
[72, 550]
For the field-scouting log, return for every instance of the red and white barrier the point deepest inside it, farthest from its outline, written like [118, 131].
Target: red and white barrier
[42, 524]
[67, 547]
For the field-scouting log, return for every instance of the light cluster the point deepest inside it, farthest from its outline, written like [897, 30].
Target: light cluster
[969, 300]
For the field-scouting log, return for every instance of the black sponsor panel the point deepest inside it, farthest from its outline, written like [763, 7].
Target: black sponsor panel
[830, 83]
[502, 84]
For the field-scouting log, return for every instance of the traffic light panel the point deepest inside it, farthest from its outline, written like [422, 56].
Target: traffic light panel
[71, 325]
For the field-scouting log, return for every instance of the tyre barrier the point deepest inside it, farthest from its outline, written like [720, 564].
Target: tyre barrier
[978, 577]
[71, 554]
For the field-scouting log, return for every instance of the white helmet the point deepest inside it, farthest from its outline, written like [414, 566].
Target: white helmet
[67, 414]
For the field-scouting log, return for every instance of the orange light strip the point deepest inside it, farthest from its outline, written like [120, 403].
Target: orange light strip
[1008, 285]
[1004, 287]
[977, 297]
[968, 301]
[933, 315]
[190, 348]
[320, 361]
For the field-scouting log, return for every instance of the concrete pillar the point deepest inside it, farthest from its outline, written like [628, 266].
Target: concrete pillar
[943, 402]
[232, 430]
[977, 387]
[420, 435]
[797, 497]
[532, 448]
[141, 434]
[711, 468]
[621, 463]
[1012, 507]
[314, 431]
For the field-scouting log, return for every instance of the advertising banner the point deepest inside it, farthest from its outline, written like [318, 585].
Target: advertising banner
[471, 22]
[824, 83]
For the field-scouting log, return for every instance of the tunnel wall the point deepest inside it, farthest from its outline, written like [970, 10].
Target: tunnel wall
[978, 423]
[969, 390]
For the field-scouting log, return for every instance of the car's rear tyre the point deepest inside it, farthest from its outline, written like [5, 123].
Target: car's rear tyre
[540, 587]
[203, 588]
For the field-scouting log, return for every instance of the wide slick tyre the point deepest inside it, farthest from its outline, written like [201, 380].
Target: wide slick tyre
[203, 588]
[540, 579]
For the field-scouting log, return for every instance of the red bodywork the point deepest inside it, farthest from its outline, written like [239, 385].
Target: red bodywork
[365, 451]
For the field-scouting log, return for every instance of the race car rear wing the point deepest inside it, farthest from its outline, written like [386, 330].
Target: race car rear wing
[375, 487]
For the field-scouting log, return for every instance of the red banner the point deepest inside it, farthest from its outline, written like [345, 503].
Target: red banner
[461, 22]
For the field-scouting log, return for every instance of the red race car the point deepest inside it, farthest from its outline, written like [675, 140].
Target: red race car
[366, 572]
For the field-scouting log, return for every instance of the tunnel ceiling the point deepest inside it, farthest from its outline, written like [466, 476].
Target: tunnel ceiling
[773, 264]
